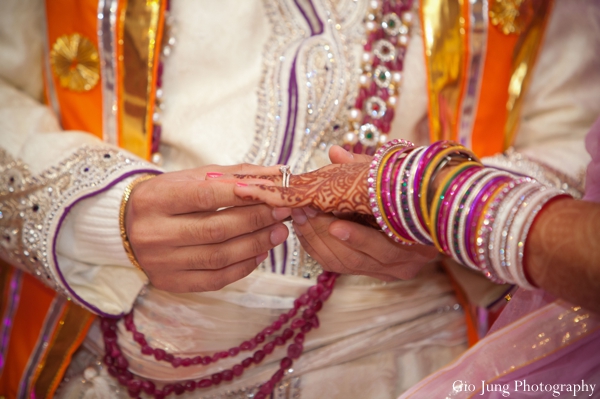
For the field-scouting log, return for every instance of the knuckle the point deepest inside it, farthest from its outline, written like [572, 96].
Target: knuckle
[256, 220]
[258, 247]
[205, 196]
[214, 230]
[196, 261]
[217, 259]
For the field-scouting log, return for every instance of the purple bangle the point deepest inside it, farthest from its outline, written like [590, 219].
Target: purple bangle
[460, 201]
[392, 212]
[444, 213]
[475, 213]
[411, 211]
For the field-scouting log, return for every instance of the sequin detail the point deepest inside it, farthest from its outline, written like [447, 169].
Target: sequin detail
[31, 206]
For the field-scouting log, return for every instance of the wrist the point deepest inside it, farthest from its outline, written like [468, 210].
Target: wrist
[534, 264]
[122, 219]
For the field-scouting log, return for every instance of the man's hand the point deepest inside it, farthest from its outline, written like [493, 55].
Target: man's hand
[183, 238]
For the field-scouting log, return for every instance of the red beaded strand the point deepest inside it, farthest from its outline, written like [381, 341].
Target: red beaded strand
[310, 303]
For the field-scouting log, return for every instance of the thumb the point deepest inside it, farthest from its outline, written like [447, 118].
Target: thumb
[338, 155]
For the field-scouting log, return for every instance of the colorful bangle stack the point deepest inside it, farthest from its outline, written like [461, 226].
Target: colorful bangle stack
[380, 194]
[479, 216]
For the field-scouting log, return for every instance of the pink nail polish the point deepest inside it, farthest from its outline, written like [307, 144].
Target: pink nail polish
[240, 184]
[212, 175]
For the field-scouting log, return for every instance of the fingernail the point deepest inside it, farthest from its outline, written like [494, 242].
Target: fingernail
[299, 216]
[348, 153]
[240, 184]
[281, 213]
[341, 234]
[278, 236]
[212, 175]
[310, 212]
[261, 258]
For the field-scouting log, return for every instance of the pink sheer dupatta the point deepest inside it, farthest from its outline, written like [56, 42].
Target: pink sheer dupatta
[536, 340]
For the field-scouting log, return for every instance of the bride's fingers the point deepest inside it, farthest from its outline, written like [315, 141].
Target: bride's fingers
[275, 196]
[248, 179]
[276, 179]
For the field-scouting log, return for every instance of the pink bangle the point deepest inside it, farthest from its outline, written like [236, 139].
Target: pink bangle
[476, 213]
[472, 195]
[390, 209]
[374, 185]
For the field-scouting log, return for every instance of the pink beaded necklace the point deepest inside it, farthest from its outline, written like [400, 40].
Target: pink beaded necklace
[308, 305]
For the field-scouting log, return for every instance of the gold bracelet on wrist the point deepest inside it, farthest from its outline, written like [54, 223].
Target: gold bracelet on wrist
[124, 238]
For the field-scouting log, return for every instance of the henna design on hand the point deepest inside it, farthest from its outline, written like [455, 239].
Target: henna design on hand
[341, 187]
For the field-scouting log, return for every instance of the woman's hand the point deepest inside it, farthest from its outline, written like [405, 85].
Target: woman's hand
[333, 188]
[194, 234]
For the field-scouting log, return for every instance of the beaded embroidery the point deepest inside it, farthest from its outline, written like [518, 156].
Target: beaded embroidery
[388, 25]
[32, 205]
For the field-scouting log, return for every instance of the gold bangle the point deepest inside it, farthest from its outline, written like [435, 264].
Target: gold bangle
[124, 238]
